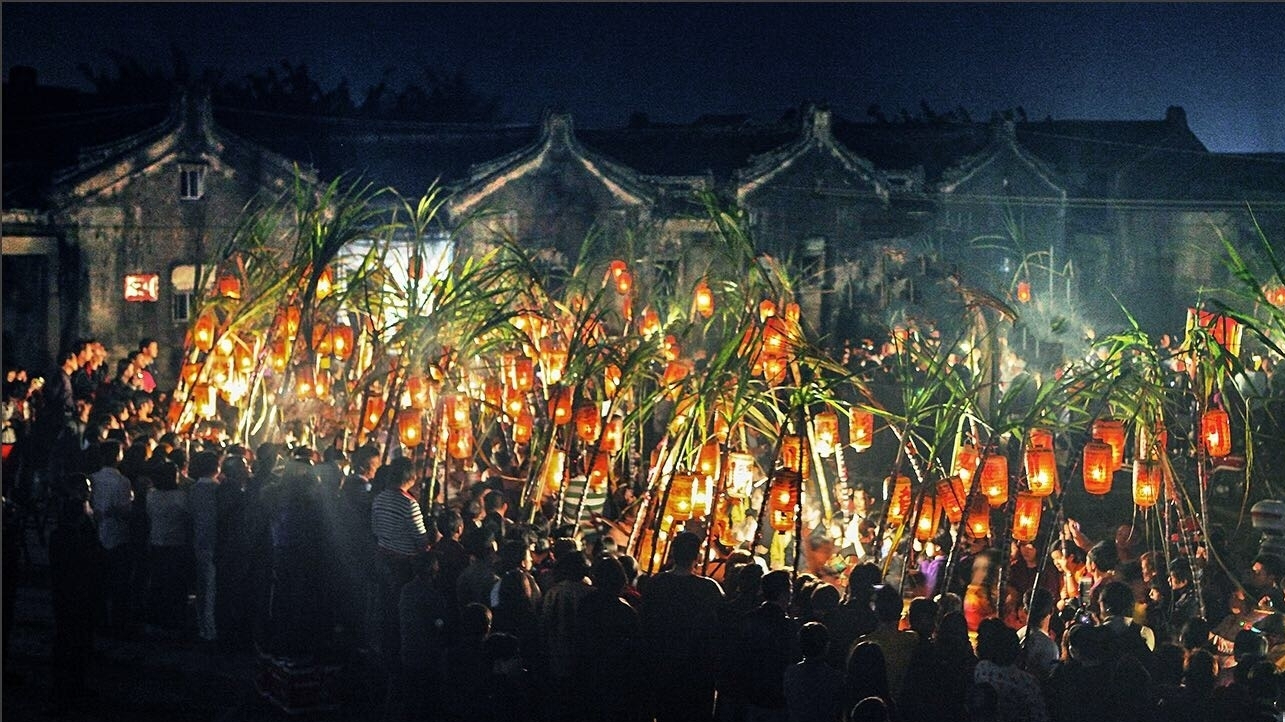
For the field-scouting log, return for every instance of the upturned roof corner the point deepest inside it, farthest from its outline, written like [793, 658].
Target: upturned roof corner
[816, 136]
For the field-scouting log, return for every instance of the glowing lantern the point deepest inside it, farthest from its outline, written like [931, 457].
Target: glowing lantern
[457, 412]
[289, 320]
[1024, 291]
[681, 487]
[460, 444]
[555, 464]
[321, 339]
[1098, 467]
[783, 497]
[1039, 439]
[204, 331]
[617, 271]
[899, 501]
[707, 461]
[1026, 516]
[204, 404]
[995, 479]
[522, 425]
[675, 372]
[826, 429]
[553, 360]
[649, 322]
[966, 460]
[1146, 483]
[610, 380]
[774, 370]
[704, 299]
[926, 524]
[624, 282]
[702, 497]
[1111, 431]
[229, 286]
[1275, 295]
[671, 349]
[588, 423]
[493, 393]
[776, 337]
[682, 412]
[1041, 471]
[862, 430]
[420, 390]
[740, 475]
[409, 427]
[979, 518]
[1215, 430]
[305, 383]
[341, 341]
[321, 384]
[600, 473]
[514, 403]
[278, 356]
[226, 345]
[190, 372]
[792, 457]
[767, 309]
[243, 358]
[613, 436]
[325, 283]
[951, 497]
[1225, 331]
[560, 406]
[373, 412]
[521, 374]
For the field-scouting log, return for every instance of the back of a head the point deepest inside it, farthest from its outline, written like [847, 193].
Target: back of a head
[493, 501]
[922, 616]
[1201, 673]
[1169, 661]
[1103, 555]
[862, 579]
[888, 604]
[1039, 605]
[204, 464]
[1249, 646]
[1194, 633]
[814, 639]
[776, 585]
[513, 590]
[997, 642]
[500, 647]
[475, 620]
[1086, 642]
[749, 579]
[953, 629]
[512, 554]
[608, 575]
[1117, 600]
[684, 549]
[164, 475]
[825, 599]
[448, 521]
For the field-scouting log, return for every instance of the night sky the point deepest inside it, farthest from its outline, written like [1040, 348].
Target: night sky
[1225, 63]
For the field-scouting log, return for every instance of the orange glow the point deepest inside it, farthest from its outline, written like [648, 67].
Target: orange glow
[1026, 516]
[321, 341]
[649, 322]
[899, 501]
[767, 309]
[681, 487]
[420, 390]
[862, 430]
[341, 341]
[457, 412]
[1024, 291]
[409, 427]
[610, 380]
[926, 524]
[613, 436]
[966, 461]
[460, 444]
[553, 360]
[1215, 430]
[325, 283]
[229, 286]
[1098, 467]
[1146, 483]
[305, 385]
[560, 406]
[825, 426]
[671, 349]
[1111, 431]
[554, 467]
[995, 480]
[783, 497]
[951, 497]
[792, 453]
[600, 474]
[1039, 439]
[588, 423]
[522, 425]
[204, 403]
[708, 461]
[979, 518]
[1041, 471]
[204, 331]
[373, 412]
[704, 299]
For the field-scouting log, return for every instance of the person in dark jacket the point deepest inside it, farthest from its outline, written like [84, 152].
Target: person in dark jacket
[768, 639]
[75, 568]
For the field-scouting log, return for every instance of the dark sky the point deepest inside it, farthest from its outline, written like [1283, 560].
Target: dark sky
[1225, 63]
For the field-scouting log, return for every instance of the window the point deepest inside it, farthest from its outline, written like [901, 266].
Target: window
[812, 259]
[191, 182]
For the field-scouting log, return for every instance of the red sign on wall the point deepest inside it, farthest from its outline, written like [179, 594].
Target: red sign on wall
[142, 287]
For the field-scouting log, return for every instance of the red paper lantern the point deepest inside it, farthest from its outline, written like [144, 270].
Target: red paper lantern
[1024, 291]
[951, 497]
[1039, 439]
[899, 500]
[783, 497]
[704, 299]
[588, 423]
[995, 480]
[1146, 483]
[1111, 431]
[1215, 430]
[410, 427]
[926, 524]
[1041, 471]
[681, 487]
[862, 429]
[825, 427]
[204, 331]
[560, 406]
[1026, 516]
[1098, 467]
[966, 461]
[373, 412]
[979, 518]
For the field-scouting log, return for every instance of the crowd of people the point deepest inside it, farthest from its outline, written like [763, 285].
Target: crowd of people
[472, 613]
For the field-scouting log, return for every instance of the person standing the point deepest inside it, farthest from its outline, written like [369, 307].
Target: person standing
[679, 615]
[398, 524]
[75, 570]
[203, 502]
[113, 500]
[168, 539]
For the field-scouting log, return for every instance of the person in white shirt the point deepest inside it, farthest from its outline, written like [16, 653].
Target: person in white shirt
[112, 500]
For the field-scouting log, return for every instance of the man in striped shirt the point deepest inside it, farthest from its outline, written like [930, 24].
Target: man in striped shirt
[398, 525]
